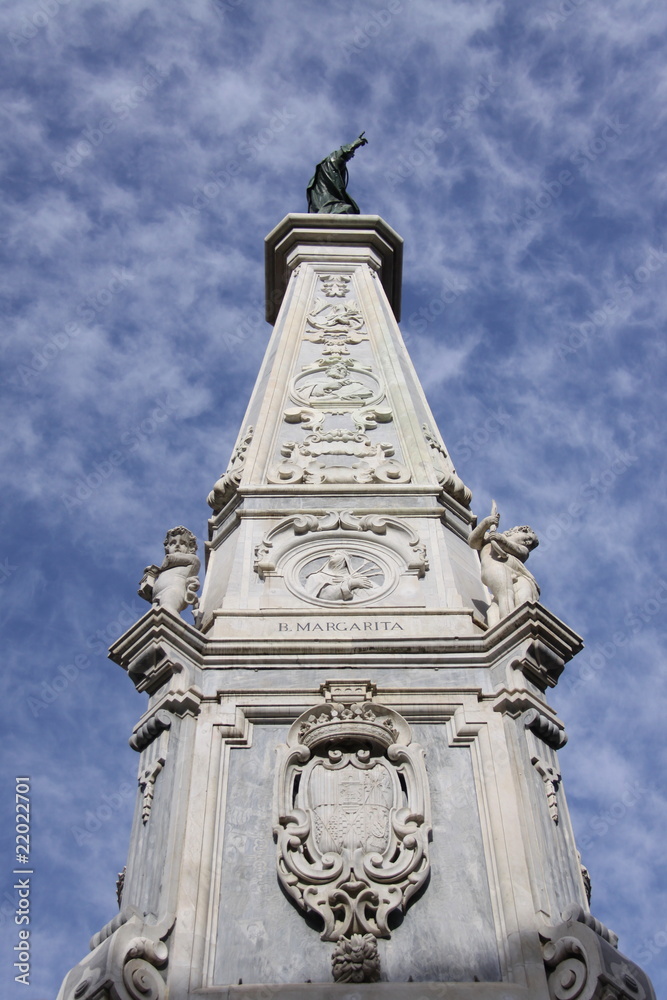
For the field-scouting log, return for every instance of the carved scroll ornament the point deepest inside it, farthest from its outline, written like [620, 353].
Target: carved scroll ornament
[127, 961]
[583, 962]
[352, 824]
[299, 524]
[310, 461]
[225, 487]
[445, 471]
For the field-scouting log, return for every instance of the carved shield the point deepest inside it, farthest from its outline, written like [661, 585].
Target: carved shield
[350, 806]
[352, 816]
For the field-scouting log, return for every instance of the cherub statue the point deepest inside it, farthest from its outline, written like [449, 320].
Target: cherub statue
[502, 555]
[174, 584]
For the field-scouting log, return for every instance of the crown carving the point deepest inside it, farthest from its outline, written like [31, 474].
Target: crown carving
[333, 722]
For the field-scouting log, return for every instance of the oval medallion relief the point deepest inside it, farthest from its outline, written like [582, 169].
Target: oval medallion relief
[341, 574]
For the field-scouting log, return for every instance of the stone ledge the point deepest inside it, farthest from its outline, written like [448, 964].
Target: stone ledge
[370, 991]
[315, 232]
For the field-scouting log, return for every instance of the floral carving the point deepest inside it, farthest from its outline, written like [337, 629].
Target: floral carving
[335, 285]
[365, 419]
[356, 960]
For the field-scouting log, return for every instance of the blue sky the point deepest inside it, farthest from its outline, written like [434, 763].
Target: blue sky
[519, 149]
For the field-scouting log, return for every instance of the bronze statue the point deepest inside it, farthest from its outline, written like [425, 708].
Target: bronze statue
[327, 190]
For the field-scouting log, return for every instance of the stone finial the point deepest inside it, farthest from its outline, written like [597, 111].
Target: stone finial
[174, 584]
[502, 555]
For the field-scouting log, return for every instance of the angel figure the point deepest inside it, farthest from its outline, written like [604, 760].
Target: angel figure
[502, 555]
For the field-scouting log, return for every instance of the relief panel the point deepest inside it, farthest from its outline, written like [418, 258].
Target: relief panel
[352, 826]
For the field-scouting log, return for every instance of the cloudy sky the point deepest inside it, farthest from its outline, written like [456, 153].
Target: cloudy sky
[519, 149]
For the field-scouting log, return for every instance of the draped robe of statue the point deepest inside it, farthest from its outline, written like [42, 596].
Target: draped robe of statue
[326, 190]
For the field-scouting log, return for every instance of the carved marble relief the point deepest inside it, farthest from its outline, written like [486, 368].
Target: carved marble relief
[120, 883]
[445, 470]
[147, 780]
[283, 536]
[310, 461]
[225, 488]
[335, 285]
[332, 576]
[363, 419]
[585, 878]
[352, 825]
[128, 960]
[339, 576]
[583, 962]
[337, 384]
[551, 778]
[338, 379]
[153, 746]
[335, 323]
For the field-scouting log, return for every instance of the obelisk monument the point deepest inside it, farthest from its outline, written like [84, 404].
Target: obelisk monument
[348, 778]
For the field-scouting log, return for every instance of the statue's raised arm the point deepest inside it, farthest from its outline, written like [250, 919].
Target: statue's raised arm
[327, 190]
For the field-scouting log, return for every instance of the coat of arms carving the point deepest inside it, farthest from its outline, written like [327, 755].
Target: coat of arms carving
[352, 824]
